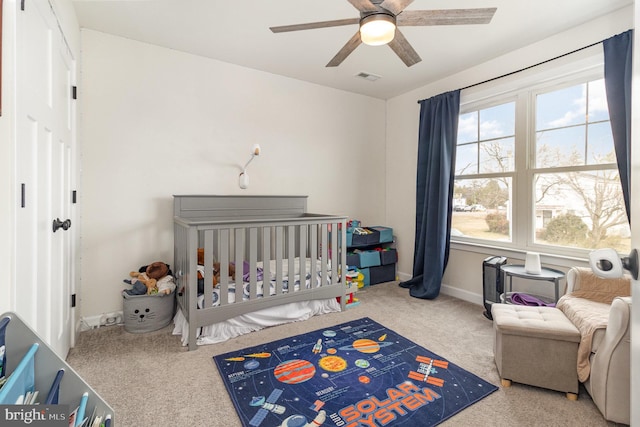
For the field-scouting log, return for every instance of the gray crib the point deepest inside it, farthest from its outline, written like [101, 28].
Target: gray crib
[272, 237]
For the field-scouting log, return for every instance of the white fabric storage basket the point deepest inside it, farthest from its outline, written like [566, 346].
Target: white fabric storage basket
[146, 313]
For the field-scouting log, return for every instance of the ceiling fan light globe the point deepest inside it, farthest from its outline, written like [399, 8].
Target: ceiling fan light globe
[378, 29]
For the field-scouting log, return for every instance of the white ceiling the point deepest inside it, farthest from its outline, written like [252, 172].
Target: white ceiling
[237, 31]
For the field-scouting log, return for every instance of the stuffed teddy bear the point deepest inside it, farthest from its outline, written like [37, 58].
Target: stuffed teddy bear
[156, 278]
[216, 269]
[216, 273]
[149, 283]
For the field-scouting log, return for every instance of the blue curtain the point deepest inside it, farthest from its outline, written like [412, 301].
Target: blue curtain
[437, 137]
[617, 80]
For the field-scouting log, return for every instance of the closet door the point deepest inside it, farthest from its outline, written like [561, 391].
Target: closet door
[44, 151]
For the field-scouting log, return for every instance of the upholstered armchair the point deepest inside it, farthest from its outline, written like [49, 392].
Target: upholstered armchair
[601, 310]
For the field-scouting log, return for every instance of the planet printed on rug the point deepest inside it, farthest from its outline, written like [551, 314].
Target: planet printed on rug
[357, 374]
[294, 371]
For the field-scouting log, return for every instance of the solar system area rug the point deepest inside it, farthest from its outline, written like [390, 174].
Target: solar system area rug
[350, 375]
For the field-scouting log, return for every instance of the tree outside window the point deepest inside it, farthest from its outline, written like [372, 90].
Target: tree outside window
[576, 198]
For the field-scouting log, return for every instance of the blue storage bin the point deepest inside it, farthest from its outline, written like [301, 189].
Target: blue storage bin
[367, 276]
[386, 233]
[369, 258]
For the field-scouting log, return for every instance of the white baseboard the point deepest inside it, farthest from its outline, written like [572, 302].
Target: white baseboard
[462, 294]
[403, 276]
[451, 291]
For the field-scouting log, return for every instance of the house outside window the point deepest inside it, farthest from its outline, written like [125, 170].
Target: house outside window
[536, 170]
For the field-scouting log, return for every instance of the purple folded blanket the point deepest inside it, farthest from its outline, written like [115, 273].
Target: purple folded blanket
[526, 299]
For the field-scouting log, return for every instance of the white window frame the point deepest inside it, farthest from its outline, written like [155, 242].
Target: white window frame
[584, 66]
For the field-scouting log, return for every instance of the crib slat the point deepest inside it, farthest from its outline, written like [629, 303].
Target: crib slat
[253, 259]
[279, 245]
[313, 246]
[223, 251]
[239, 256]
[208, 268]
[343, 252]
[303, 255]
[192, 292]
[334, 252]
[291, 255]
[323, 256]
[266, 260]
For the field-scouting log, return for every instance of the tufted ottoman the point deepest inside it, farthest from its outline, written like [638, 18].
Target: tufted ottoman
[536, 346]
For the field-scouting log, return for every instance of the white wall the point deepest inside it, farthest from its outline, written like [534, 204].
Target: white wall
[156, 122]
[463, 277]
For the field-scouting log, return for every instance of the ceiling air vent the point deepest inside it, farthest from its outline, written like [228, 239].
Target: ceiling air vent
[367, 76]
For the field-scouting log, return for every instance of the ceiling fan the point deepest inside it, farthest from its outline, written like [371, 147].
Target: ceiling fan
[378, 25]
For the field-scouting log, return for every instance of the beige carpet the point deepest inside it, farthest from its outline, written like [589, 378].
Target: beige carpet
[150, 380]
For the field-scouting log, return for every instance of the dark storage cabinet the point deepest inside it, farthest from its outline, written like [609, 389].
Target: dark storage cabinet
[492, 282]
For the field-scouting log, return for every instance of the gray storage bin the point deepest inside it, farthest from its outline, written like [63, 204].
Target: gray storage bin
[146, 313]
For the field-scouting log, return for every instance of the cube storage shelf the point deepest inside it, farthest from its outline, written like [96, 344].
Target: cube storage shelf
[377, 266]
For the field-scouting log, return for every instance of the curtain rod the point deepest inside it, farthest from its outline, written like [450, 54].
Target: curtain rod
[531, 66]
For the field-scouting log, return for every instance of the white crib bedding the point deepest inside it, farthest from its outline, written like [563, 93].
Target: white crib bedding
[255, 321]
[263, 318]
[231, 289]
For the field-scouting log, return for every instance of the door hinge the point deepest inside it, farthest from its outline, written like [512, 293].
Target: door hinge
[74, 196]
[23, 195]
[74, 92]
[73, 300]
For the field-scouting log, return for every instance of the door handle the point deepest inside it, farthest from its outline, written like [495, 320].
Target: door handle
[61, 224]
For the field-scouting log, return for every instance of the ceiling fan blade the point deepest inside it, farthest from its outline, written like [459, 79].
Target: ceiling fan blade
[446, 17]
[395, 6]
[363, 5]
[403, 49]
[346, 50]
[314, 25]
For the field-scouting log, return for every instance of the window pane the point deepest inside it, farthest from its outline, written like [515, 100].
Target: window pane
[497, 121]
[497, 155]
[467, 159]
[560, 147]
[598, 108]
[482, 209]
[560, 108]
[468, 127]
[581, 210]
[600, 144]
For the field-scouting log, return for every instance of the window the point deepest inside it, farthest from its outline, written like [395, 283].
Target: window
[484, 169]
[537, 169]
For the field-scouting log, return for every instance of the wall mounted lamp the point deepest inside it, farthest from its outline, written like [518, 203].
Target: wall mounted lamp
[244, 177]
[608, 264]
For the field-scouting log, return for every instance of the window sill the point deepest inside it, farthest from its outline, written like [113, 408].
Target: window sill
[519, 254]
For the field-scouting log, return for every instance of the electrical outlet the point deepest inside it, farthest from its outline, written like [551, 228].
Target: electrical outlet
[108, 319]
